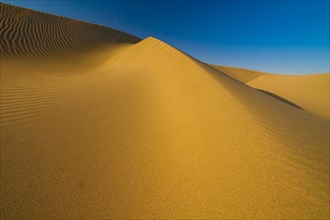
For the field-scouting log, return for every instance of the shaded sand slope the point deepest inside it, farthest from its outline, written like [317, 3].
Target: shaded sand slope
[29, 33]
[242, 75]
[153, 133]
[311, 92]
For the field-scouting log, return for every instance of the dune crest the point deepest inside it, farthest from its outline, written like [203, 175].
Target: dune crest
[310, 92]
[240, 74]
[150, 132]
[29, 33]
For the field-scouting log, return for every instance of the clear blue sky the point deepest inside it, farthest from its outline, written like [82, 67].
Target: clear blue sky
[279, 36]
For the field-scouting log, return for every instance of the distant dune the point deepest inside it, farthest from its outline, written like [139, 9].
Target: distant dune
[29, 33]
[310, 92]
[242, 75]
[138, 129]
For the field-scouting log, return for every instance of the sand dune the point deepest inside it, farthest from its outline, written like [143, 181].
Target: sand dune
[29, 33]
[310, 92]
[242, 75]
[147, 131]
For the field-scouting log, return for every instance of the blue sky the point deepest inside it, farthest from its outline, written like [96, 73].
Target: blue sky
[279, 36]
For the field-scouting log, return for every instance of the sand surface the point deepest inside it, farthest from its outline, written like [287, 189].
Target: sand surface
[240, 74]
[32, 34]
[140, 130]
[310, 92]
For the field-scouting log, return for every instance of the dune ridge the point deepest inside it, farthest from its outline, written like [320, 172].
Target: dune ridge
[240, 74]
[149, 132]
[29, 33]
[310, 91]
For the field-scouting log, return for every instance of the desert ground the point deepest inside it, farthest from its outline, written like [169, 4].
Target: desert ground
[99, 124]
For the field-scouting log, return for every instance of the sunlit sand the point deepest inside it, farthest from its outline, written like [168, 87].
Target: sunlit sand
[310, 92]
[98, 124]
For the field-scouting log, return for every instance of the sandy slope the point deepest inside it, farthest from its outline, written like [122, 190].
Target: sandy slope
[242, 75]
[311, 92]
[149, 132]
[29, 33]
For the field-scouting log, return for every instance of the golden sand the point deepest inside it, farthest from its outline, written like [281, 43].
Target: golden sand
[145, 131]
[309, 92]
[240, 74]
[32, 34]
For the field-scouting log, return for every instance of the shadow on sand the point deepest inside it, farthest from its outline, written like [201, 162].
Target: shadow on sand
[280, 98]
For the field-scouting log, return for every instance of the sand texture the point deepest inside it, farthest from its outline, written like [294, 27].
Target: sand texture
[309, 92]
[28, 33]
[240, 74]
[138, 129]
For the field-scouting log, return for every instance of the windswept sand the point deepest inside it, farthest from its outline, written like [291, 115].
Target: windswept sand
[33, 34]
[145, 131]
[309, 92]
[240, 74]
